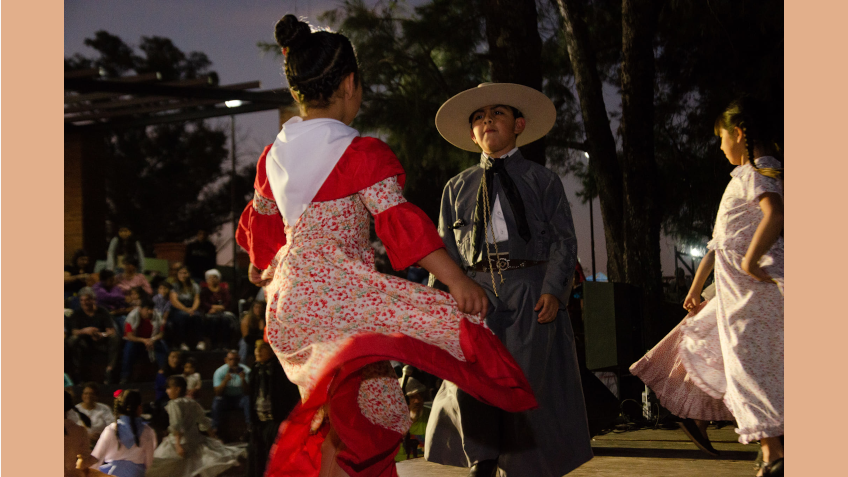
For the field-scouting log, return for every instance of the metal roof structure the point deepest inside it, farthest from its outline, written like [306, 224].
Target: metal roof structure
[94, 102]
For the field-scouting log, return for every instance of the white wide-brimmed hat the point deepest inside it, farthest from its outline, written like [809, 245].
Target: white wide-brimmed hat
[538, 111]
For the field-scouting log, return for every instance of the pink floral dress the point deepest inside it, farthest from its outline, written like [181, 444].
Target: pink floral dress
[744, 367]
[333, 320]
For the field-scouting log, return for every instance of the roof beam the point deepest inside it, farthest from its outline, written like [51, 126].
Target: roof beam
[148, 99]
[108, 86]
[177, 117]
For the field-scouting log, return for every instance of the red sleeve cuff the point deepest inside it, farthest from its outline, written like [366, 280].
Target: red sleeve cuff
[408, 234]
[261, 235]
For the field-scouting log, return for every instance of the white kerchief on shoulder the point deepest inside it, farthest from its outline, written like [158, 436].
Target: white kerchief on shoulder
[302, 157]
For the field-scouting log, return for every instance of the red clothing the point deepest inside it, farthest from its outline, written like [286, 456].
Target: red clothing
[406, 231]
[209, 298]
[333, 321]
[143, 330]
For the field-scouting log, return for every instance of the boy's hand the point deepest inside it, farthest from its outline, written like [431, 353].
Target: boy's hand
[547, 306]
[753, 269]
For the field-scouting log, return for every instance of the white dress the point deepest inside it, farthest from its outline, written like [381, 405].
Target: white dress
[205, 457]
[744, 367]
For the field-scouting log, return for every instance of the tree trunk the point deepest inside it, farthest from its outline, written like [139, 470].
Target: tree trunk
[643, 212]
[515, 52]
[603, 160]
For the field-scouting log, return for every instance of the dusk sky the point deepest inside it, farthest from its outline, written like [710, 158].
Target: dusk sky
[227, 32]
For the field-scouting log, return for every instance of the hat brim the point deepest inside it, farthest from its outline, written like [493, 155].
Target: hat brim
[538, 110]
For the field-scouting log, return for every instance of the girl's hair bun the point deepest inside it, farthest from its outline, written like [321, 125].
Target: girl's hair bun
[290, 31]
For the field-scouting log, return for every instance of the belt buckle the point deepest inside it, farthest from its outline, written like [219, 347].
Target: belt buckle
[503, 263]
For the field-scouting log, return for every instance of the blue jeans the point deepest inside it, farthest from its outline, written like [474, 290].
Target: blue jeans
[132, 350]
[225, 403]
[119, 323]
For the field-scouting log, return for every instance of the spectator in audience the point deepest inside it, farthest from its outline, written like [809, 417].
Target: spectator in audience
[172, 367]
[252, 328]
[131, 278]
[135, 296]
[98, 413]
[173, 271]
[92, 330]
[272, 397]
[125, 448]
[69, 384]
[200, 256]
[143, 332]
[230, 381]
[215, 304]
[159, 418]
[77, 275]
[112, 298]
[76, 443]
[185, 311]
[185, 452]
[162, 305]
[123, 247]
[192, 377]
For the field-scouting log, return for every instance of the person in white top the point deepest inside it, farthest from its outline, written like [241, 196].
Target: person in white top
[99, 413]
[125, 448]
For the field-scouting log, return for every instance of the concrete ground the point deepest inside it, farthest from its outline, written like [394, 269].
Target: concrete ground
[643, 453]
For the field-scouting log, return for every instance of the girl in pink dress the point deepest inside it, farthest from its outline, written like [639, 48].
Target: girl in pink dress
[332, 320]
[745, 367]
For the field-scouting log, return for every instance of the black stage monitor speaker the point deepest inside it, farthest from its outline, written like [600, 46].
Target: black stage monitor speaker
[612, 321]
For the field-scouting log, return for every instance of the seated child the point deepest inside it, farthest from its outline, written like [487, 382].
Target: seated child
[192, 377]
[186, 451]
[143, 332]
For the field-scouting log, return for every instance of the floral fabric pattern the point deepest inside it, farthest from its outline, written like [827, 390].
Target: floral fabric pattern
[382, 196]
[749, 314]
[379, 381]
[324, 291]
[264, 206]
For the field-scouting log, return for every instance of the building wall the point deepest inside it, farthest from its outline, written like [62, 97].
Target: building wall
[85, 198]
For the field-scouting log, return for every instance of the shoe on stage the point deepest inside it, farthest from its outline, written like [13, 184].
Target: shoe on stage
[484, 468]
[694, 433]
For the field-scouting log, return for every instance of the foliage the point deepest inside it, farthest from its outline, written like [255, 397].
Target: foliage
[169, 180]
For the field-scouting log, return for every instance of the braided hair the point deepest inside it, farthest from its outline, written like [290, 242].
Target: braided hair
[69, 406]
[751, 116]
[316, 62]
[126, 404]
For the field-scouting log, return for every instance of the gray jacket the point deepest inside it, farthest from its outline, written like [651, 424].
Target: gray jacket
[548, 215]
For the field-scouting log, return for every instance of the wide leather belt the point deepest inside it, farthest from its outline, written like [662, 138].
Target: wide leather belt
[504, 263]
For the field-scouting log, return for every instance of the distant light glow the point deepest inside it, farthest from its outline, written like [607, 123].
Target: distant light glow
[696, 252]
[233, 103]
[587, 154]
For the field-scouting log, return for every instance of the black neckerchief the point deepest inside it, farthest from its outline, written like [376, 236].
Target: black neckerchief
[516, 204]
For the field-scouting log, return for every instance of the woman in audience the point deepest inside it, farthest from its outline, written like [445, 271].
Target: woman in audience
[252, 328]
[215, 304]
[99, 414]
[185, 311]
[131, 278]
[76, 442]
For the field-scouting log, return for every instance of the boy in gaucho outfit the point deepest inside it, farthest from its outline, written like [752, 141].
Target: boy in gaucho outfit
[508, 223]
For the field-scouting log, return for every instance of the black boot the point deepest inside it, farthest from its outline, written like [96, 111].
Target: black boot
[694, 433]
[484, 468]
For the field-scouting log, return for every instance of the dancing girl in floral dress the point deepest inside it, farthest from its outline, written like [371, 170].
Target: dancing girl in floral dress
[332, 320]
[732, 349]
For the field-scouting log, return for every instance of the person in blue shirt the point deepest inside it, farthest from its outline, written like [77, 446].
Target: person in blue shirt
[231, 391]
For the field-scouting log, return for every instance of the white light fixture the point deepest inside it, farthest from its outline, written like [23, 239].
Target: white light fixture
[587, 154]
[233, 103]
[696, 252]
